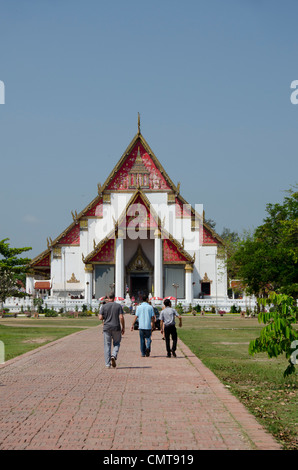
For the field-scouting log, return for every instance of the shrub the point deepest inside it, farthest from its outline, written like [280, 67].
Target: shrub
[85, 313]
[179, 308]
[234, 309]
[279, 335]
[197, 308]
[50, 313]
[69, 314]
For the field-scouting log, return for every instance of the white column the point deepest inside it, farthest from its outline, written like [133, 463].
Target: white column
[188, 284]
[119, 265]
[88, 284]
[158, 274]
[29, 284]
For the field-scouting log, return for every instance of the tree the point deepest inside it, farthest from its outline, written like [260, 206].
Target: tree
[231, 240]
[266, 260]
[12, 270]
[278, 336]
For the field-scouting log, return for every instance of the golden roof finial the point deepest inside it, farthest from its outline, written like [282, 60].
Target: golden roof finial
[139, 158]
[139, 123]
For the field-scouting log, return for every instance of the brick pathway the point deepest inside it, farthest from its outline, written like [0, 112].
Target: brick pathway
[61, 396]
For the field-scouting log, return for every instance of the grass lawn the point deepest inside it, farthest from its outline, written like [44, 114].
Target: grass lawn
[20, 335]
[222, 345]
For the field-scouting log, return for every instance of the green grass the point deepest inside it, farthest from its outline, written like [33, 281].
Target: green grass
[222, 345]
[21, 335]
[83, 322]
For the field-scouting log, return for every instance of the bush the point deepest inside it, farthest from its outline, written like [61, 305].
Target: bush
[197, 308]
[37, 302]
[50, 313]
[85, 313]
[234, 309]
[69, 314]
[279, 335]
[179, 308]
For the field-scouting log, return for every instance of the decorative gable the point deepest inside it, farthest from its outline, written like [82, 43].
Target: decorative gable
[138, 170]
[72, 237]
[139, 262]
[183, 211]
[105, 253]
[208, 238]
[44, 262]
[96, 210]
[171, 253]
[138, 215]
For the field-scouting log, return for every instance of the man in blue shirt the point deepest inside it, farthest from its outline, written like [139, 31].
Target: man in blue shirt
[145, 314]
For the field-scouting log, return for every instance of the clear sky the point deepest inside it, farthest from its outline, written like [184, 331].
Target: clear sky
[210, 78]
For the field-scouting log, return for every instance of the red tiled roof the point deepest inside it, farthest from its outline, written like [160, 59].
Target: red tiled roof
[42, 284]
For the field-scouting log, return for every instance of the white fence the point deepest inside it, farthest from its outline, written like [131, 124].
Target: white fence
[17, 305]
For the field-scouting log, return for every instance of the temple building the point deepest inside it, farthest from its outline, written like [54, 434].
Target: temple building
[137, 235]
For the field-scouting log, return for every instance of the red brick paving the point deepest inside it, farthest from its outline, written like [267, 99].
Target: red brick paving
[61, 396]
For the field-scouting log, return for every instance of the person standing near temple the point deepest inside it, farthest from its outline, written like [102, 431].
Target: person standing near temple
[113, 328]
[145, 314]
[168, 326]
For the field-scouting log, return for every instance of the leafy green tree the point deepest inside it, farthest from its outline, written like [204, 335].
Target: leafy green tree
[231, 240]
[278, 336]
[266, 260]
[12, 270]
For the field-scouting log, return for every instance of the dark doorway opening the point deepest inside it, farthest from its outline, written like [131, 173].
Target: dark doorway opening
[139, 286]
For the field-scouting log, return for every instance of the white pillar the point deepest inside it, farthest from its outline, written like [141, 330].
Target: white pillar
[88, 284]
[29, 284]
[119, 265]
[188, 283]
[158, 274]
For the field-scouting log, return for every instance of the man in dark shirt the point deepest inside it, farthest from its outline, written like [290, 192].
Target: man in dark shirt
[113, 327]
[167, 325]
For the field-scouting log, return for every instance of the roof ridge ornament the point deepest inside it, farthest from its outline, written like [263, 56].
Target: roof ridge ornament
[139, 124]
[139, 158]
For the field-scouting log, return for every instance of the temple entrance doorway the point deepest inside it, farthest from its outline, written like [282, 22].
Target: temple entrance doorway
[139, 275]
[139, 285]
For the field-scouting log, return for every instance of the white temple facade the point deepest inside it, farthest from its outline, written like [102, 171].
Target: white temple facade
[137, 235]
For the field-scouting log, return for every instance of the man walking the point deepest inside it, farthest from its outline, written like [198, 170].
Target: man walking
[113, 327]
[145, 314]
[168, 327]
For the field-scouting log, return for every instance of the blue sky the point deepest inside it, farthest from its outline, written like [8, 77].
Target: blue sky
[211, 80]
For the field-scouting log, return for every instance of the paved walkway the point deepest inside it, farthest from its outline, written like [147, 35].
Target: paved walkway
[61, 396]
